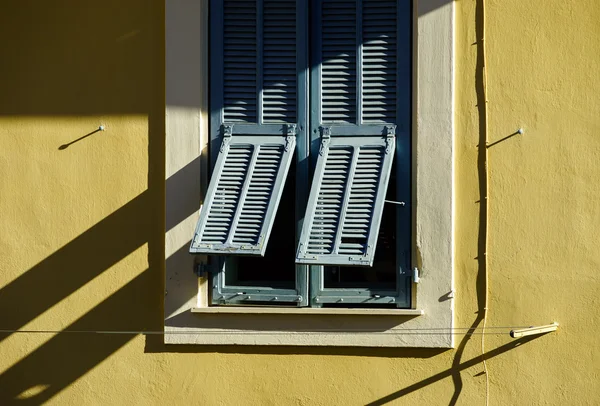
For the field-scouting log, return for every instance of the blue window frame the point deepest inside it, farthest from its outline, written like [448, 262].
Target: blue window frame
[323, 86]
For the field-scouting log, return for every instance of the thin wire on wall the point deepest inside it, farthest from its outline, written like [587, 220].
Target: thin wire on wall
[500, 330]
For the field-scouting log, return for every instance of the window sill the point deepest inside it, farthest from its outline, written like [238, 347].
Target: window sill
[345, 327]
[306, 311]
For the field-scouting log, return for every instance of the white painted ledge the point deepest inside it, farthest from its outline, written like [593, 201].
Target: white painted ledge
[306, 311]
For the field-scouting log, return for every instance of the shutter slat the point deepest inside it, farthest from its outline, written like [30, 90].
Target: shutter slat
[243, 195]
[346, 201]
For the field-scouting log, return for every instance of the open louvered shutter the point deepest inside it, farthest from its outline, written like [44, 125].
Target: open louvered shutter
[346, 200]
[243, 195]
[354, 91]
[254, 119]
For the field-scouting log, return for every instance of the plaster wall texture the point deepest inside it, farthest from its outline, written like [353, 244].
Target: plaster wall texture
[82, 227]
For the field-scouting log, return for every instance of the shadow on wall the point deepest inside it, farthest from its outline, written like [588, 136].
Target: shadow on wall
[86, 59]
[107, 58]
[83, 58]
[455, 369]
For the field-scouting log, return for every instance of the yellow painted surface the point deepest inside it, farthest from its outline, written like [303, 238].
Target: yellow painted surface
[82, 227]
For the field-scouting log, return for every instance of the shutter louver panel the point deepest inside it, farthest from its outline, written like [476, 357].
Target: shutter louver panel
[338, 61]
[379, 66]
[346, 200]
[329, 201]
[240, 61]
[361, 202]
[227, 194]
[260, 54]
[243, 195]
[258, 197]
[279, 61]
[358, 70]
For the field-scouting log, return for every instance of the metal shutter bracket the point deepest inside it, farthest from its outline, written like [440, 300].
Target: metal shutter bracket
[291, 130]
[325, 139]
[390, 133]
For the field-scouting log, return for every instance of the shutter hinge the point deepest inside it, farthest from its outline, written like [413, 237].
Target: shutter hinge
[325, 132]
[325, 139]
[390, 134]
[365, 258]
[289, 140]
[415, 275]
[291, 129]
[227, 133]
[227, 130]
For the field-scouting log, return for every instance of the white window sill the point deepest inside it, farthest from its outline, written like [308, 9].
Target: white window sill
[229, 325]
[306, 311]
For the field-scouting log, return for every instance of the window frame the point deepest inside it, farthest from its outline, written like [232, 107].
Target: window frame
[401, 295]
[433, 202]
[223, 293]
[363, 131]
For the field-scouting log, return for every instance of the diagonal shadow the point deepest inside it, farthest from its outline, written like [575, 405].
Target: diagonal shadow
[90, 254]
[66, 357]
[480, 282]
[503, 139]
[136, 306]
[449, 372]
[68, 144]
[67, 77]
[83, 58]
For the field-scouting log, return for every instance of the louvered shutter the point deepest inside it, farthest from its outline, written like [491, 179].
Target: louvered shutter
[254, 119]
[244, 192]
[354, 93]
[346, 200]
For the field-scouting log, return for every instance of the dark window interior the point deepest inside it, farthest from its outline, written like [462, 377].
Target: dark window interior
[382, 276]
[277, 269]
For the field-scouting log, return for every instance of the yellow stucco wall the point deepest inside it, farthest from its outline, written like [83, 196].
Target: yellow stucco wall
[82, 227]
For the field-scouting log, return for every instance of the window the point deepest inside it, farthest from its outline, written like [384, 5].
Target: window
[310, 123]
[188, 318]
